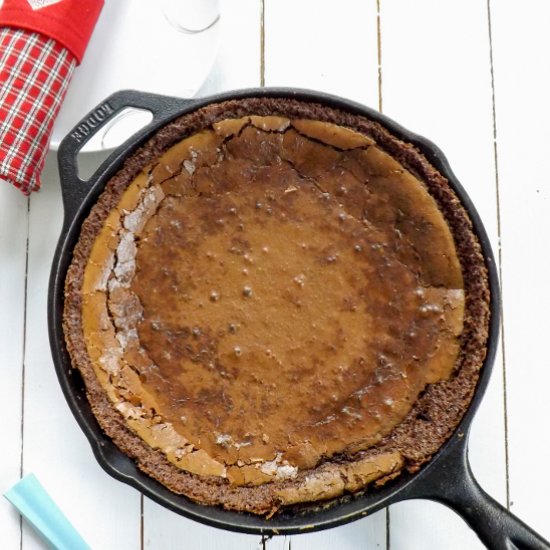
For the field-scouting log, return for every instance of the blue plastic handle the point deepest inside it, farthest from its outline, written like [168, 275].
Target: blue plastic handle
[38, 508]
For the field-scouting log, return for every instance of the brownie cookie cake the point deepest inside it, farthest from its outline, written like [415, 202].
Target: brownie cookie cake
[274, 302]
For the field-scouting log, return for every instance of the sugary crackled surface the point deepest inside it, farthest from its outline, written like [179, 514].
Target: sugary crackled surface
[270, 294]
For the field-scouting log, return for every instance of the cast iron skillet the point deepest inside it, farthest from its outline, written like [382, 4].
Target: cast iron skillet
[447, 478]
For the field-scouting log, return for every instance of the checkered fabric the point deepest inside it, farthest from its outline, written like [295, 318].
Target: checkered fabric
[34, 74]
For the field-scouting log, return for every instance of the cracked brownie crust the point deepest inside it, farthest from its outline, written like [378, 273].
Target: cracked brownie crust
[274, 302]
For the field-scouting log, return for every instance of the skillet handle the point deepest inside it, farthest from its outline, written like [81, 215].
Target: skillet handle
[73, 187]
[451, 482]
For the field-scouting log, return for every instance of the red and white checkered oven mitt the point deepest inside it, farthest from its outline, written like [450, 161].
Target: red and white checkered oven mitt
[41, 42]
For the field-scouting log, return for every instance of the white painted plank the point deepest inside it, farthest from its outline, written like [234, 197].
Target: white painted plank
[323, 45]
[366, 534]
[104, 511]
[237, 66]
[522, 86]
[13, 253]
[170, 529]
[332, 48]
[238, 62]
[436, 81]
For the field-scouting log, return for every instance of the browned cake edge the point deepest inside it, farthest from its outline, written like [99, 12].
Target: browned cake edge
[438, 410]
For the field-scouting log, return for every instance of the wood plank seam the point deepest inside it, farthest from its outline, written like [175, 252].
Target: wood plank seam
[379, 46]
[262, 43]
[499, 251]
[141, 523]
[23, 359]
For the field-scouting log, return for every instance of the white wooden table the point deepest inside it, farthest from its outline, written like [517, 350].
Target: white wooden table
[473, 76]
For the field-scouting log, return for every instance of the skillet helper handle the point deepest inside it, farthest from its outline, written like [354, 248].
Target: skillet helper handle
[452, 483]
[74, 188]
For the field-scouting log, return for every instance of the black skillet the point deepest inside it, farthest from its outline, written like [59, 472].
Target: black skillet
[447, 478]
